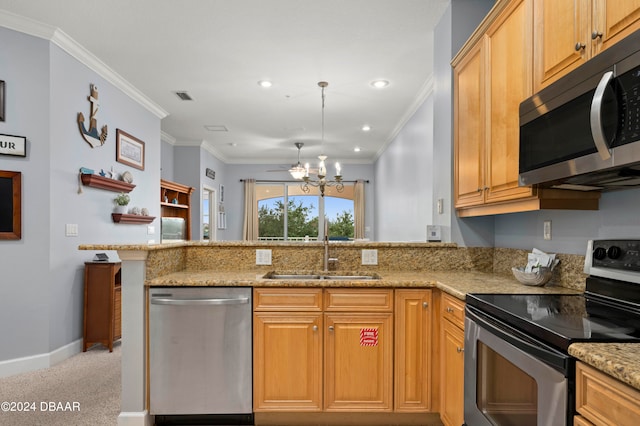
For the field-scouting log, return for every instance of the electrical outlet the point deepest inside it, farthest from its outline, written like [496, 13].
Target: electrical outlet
[547, 230]
[263, 257]
[71, 230]
[370, 257]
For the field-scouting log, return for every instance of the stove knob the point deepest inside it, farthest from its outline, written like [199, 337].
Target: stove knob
[614, 252]
[599, 253]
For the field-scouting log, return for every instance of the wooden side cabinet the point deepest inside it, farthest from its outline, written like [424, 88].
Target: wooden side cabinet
[452, 358]
[102, 304]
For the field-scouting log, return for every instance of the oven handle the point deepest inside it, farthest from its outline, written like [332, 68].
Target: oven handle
[548, 355]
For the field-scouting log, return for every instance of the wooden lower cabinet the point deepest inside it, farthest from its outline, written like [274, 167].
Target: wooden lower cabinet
[603, 400]
[287, 361]
[358, 362]
[413, 377]
[343, 350]
[102, 304]
[581, 421]
[452, 373]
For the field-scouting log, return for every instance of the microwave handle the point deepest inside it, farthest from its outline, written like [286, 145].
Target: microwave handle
[596, 117]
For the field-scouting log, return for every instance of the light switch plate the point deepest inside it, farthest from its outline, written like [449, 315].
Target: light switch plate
[263, 257]
[370, 257]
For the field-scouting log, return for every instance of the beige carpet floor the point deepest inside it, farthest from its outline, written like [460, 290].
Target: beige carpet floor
[81, 390]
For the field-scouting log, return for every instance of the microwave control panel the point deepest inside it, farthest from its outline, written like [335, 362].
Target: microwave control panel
[629, 98]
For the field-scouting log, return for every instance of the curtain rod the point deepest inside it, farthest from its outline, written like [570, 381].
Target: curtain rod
[296, 181]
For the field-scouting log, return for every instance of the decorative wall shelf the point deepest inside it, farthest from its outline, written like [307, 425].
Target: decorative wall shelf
[131, 218]
[97, 181]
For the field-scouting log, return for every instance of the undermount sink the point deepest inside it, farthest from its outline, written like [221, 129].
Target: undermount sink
[274, 275]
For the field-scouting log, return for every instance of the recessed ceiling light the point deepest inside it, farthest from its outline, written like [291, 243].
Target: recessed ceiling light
[356, 149]
[265, 83]
[366, 128]
[379, 84]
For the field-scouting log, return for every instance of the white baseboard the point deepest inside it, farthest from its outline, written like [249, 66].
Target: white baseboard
[37, 362]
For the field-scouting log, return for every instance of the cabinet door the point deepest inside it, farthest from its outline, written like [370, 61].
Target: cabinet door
[614, 20]
[452, 379]
[287, 372]
[413, 376]
[469, 136]
[509, 81]
[559, 26]
[358, 362]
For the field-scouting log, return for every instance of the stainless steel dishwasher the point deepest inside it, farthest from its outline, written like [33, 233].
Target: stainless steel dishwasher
[200, 344]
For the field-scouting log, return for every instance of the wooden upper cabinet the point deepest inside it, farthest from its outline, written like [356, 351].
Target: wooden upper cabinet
[560, 25]
[469, 128]
[493, 73]
[509, 81]
[570, 32]
[490, 81]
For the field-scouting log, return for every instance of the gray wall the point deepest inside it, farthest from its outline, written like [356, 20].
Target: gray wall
[404, 181]
[41, 295]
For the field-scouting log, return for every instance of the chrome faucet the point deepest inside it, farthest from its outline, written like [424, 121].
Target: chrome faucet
[327, 259]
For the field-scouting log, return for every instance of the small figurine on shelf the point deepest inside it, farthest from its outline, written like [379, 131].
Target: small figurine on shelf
[121, 203]
[144, 211]
[135, 210]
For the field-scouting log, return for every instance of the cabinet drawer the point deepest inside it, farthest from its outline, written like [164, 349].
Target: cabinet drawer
[603, 400]
[452, 309]
[358, 300]
[287, 299]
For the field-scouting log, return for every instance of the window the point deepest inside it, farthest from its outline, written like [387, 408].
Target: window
[285, 212]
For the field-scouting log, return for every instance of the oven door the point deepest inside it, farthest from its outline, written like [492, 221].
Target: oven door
[506, 381]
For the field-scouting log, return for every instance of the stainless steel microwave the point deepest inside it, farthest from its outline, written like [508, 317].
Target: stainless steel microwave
[583, 131]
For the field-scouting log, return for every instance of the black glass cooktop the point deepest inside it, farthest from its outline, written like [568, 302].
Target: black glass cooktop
[560, 320]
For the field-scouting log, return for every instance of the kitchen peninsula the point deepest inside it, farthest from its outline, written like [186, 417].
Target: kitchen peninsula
[443, 268]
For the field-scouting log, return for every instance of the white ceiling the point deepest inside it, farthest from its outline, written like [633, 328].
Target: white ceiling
[218, 50]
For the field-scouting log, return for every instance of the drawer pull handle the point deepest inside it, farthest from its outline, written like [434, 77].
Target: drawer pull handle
[459, 349]
[449, 309]
[330, 328]
[579, 46]
[314, 328]
[425, 305]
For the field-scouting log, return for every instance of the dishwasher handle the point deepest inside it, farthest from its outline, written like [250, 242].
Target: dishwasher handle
[198, 302]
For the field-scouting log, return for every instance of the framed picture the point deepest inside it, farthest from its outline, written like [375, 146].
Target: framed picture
[11, 201]
[1, 100]
[129, 150]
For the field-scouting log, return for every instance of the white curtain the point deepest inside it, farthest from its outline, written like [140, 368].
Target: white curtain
[250, 225]
[358, 207]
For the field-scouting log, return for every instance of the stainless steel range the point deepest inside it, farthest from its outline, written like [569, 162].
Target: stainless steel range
[517, 367]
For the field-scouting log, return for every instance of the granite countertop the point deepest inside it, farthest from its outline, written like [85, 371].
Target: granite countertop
[619, 360]
[458, 284]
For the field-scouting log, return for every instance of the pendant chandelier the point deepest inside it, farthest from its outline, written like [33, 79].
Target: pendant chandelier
[321, 180]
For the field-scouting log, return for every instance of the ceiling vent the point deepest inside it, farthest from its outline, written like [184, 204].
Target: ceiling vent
[216, 128]
[184, 96]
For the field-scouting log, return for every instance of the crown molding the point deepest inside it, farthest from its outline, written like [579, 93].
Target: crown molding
[206, 145]
[425, 91]
[166, 137]
[81, 54]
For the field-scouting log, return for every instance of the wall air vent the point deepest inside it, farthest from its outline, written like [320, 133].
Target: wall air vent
[184, 96]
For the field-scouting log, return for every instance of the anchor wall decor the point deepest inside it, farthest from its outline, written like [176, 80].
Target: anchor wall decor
[91, 135]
